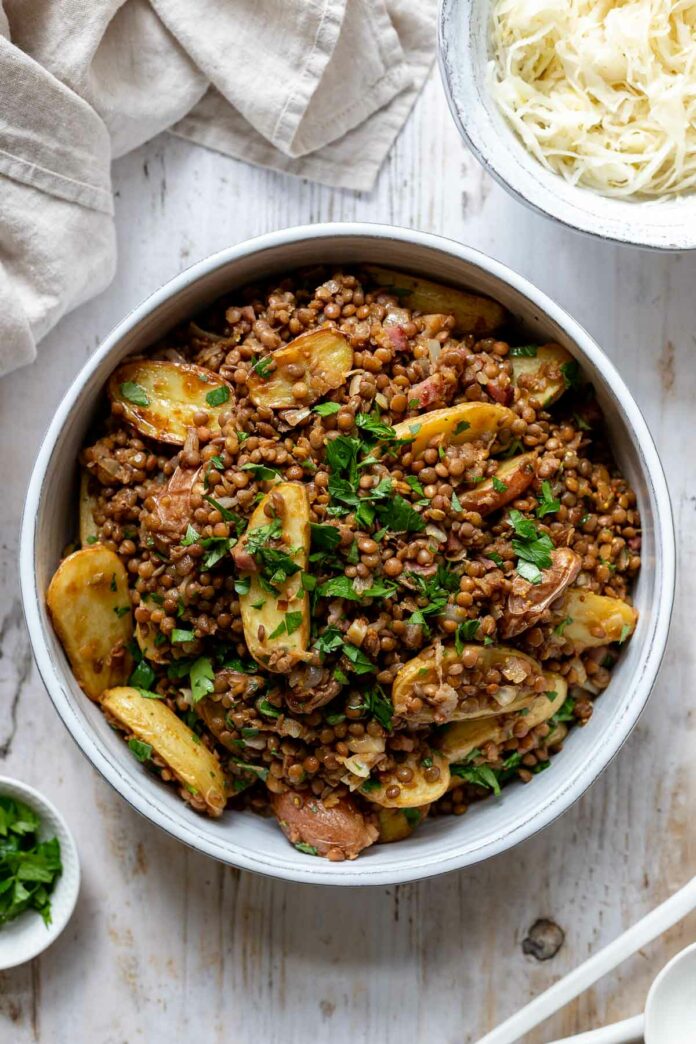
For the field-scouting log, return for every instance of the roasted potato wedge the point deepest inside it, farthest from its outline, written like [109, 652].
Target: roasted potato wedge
[89, 530]
[188, 759]
[509, 482]
[160, 398]
[457, 740]
[91, 611]
[396, 824]
[594, 619]
[454, 424]
[338, 829]
[145, 635]
[542, 377]
[416, 793]
[472, 313]
[325, 357]
[264, 614]
[423, 693]
[527, 602]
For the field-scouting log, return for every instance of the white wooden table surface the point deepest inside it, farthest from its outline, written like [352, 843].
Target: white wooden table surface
[166, 944]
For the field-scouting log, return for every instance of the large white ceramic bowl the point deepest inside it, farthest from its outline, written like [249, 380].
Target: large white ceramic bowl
[464, 52]
[444, 843]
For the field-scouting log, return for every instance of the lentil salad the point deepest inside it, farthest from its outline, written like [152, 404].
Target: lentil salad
[350, 554]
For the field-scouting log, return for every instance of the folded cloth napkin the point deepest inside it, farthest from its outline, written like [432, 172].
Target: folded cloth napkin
[316, 88]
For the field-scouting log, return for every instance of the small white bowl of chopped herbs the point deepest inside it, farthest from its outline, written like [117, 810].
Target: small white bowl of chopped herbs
[39, 873]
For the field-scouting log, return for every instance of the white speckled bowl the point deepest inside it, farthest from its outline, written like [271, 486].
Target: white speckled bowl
[464, 52]
[27, 936]
[445, 843]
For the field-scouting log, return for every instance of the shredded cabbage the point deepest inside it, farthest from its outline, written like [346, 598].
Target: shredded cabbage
[602, 92]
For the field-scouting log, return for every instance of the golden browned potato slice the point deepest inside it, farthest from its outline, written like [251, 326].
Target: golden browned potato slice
[335, 828]
[509, 482]
[466, 422]
[527, 602]
[145, 635]
[542, 376]
[589, 619]
[457, 740]
[472, 313]
[419, 790]
[161, 398]
[189, 760]
[91, 611]
[324, 358]
[396, 824]
[422, 692]
[89, 530]
[273, 630]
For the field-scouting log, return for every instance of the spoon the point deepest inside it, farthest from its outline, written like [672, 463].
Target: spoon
[563, 991]
[670, 1010]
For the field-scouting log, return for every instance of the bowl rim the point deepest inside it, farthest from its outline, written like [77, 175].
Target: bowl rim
[557, 209]
[67, 883]
[312, 870]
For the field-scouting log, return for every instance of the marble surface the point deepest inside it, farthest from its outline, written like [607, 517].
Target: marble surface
[167, 945]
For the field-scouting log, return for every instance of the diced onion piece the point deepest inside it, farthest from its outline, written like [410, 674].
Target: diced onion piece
[263, 612]
[457, 740]
[472, 313]
[430, 667]
[324, 356]
[91, 611]
[89, 530]
[419, 790]
[161, 398]
[594, 619]
[189, 760]
[543, 376]
[514, 475]
[465, 422]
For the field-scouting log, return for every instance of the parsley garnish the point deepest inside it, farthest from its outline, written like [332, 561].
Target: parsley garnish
[398, 516]
[564, 713]
[192, 536]
[462, 426]
[302, 846]
[571, 373]
[260, 472]
[326, 409]
[262, 367]
[531, 547]
[360, 663]
[625, 631]
[548, 504]
[498, 486]
[378, 704]
[481, 775]
[288, 625]
[242, 586]
[218, 395]
[524, 351]
[141, 750]
[134, 393]
[342, 587]
[202, 678]
[179, 634]
[466, 632]
[142, 676]
[325, 537]
[121, 610]
[371, 423]
[560, 628]
[329, 641]
[28, 867]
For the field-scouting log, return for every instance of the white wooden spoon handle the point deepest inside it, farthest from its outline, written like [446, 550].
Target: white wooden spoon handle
[566, 989]
[626, 1032]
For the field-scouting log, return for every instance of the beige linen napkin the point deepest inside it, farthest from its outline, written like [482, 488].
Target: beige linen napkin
[317, 88]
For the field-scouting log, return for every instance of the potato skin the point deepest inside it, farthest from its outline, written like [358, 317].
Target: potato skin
[175, 392]
[153, 722]
[542, 375]
[459, 738]
[326, 357]
[472, 313]
[594, 619]
[475, 420]
[340, 831]
[516, 474]
[292, 597]
[89, 604]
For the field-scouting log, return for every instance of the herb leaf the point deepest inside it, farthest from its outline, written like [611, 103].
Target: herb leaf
[202, 678]
[134, 393]
[218, 395]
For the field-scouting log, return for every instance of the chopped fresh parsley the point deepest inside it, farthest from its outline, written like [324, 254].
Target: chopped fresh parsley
[179, 634]
[360, 663]
[142, 675]
[461, 427]
[267, 709]
[548, 504]
[202, 678]
[262, 367]
[142, 751]
[625, 631]
[192, 536]
[480, 775]
[28, 867]
[218, 395]
[331, 640]
[398, 516]
[121, 610]
[466, 632]
[302, 846]
[288, 625]
[560, 628]
[377, 703]
[261, 472]
[371, 423]
[342, 587]
[134, 393]
[325, 537]
[571, 373]
[564, 713]
[498, 485]
[216, 549]
[415, 485]
[524, 351]
[242, 585]
[227, 515]
[326, 409]
[532, 548]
